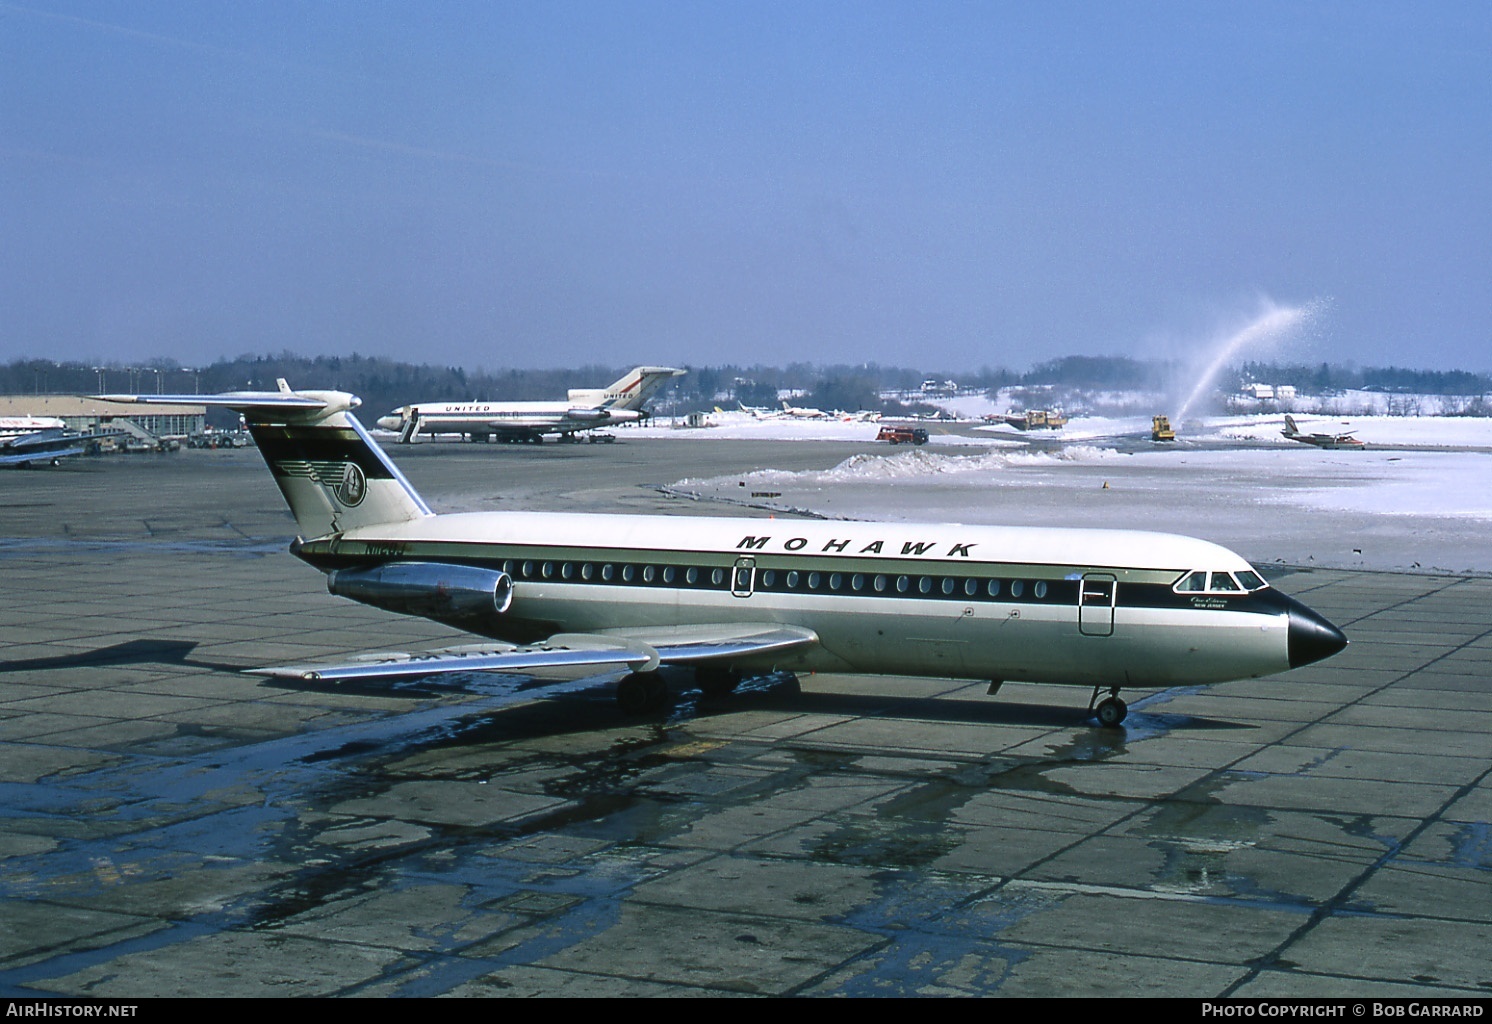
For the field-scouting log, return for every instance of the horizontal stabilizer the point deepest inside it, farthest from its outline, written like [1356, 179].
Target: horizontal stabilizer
[244, 400]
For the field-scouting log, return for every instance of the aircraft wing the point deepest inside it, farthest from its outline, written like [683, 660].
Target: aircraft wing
[641, 649]
[690, 645]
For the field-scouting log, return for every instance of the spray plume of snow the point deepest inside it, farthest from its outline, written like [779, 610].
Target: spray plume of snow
[1275, 324]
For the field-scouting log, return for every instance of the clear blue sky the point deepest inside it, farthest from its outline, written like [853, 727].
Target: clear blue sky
[551, 183]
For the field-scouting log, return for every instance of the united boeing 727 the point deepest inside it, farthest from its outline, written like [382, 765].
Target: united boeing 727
[585, 409]
[729, 597]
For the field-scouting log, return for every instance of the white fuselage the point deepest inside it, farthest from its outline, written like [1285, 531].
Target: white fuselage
[1092, 607]
[12, 427]
[479, 419]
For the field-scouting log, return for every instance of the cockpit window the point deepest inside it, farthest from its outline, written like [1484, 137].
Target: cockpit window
[1251, 580]
[1192, 583]
[1201, 582]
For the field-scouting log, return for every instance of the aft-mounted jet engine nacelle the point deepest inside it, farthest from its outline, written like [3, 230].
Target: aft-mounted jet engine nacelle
[446, 593]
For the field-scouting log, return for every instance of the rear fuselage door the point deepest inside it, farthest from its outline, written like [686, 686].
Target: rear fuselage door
[1096, 604]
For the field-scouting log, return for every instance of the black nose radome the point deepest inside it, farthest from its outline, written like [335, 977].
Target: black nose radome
[1312, 637]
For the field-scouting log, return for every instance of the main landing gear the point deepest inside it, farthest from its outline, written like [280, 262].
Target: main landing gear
[1110, 711]
[716, 680]
[640, 693]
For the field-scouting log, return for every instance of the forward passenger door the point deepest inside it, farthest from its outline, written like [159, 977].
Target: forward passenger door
[1096, 598]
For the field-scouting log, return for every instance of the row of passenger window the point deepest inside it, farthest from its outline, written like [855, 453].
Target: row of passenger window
[779, 581]
[608, 572]
[783, 580]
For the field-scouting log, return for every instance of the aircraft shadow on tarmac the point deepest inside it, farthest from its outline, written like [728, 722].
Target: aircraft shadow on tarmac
[589, 703]
[131, 652]
[776, 692]
[753, 695]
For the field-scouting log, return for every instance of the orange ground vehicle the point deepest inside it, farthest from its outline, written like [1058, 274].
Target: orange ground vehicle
[903, 435]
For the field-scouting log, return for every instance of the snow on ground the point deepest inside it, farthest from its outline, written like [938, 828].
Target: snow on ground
[1442, 431]
[764, 428]
[1083, 402]
[1414, 510]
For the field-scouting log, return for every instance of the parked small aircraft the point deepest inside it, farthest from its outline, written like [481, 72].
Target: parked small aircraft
[727, 597]
[1292, 432]
[586, 409]
[799, 412]
[33, 440]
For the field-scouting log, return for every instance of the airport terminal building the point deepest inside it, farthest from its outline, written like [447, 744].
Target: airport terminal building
[89, 414]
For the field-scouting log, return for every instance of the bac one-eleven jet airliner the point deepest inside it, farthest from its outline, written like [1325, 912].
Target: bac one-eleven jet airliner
[729, 597]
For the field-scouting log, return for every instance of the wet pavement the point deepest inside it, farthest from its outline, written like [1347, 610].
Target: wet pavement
[171, 826]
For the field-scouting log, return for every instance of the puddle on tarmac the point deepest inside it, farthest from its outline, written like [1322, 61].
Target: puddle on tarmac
[155, 818]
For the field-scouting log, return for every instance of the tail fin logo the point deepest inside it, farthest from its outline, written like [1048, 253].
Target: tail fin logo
[345, 480]
[353, 486]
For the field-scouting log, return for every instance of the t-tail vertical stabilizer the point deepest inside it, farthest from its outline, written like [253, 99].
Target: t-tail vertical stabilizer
[628, 391]
[332, 473]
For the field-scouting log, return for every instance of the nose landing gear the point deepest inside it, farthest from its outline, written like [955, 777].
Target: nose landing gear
[1110, 711]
